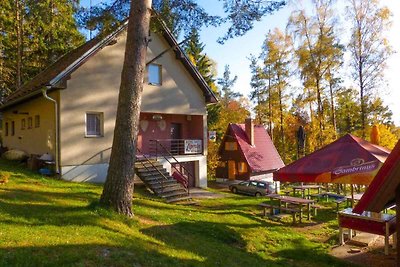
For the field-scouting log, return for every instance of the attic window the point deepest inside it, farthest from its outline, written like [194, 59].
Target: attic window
[230, 146]
[154, 74]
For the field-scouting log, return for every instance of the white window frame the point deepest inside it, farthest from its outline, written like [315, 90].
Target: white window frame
[100, 132]
[154, 80]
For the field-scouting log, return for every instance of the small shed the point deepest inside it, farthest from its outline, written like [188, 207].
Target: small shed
[247, 152]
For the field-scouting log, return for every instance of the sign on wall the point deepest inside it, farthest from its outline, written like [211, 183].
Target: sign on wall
[193, 146]
[212, 136]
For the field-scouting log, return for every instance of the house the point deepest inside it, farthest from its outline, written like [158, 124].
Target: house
[247, 152]
[69, 109]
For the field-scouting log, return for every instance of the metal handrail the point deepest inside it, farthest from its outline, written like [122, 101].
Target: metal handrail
[186, 184]
[151, 163]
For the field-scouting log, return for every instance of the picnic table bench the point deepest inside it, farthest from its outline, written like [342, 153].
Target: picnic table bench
[271, 207]
[338, 199]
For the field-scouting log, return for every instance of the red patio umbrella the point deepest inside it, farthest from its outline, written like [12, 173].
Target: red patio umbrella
[348, 160]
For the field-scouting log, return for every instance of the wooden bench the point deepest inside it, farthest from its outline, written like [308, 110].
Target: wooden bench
[338, 202]
[290, 210]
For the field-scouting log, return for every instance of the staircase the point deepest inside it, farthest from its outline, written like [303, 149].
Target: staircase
[158, 180]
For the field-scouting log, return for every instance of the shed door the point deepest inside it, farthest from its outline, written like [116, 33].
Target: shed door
[231, 169]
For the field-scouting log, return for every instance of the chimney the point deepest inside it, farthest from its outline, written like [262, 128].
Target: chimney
[249, 128]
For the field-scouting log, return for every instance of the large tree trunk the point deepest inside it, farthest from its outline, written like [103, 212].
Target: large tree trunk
[118, 188]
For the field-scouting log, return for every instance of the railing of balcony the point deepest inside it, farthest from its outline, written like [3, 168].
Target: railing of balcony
[176, 147]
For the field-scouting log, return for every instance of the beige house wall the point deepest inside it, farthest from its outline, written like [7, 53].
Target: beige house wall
[94, 88]
[38, 140]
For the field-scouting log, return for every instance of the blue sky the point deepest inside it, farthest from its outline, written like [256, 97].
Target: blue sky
[235, 52]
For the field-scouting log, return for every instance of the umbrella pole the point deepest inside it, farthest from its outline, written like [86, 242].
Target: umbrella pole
[352, 195]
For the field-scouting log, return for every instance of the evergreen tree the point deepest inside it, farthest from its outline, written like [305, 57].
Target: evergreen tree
[195, 51]
[34, 34]
[226, 83]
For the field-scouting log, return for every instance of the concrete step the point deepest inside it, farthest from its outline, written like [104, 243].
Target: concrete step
[178, 199]
[150, 171]
[172, 188]
[172, 194]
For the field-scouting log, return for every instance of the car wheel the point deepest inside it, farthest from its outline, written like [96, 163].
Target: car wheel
[258, 194]
[234, 190]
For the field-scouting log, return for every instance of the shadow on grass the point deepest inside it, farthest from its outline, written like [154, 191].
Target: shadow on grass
[217, 243]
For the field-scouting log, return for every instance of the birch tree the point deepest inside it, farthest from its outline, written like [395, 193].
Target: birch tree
[369, 48]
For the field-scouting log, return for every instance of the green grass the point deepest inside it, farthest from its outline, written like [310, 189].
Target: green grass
[47, 222]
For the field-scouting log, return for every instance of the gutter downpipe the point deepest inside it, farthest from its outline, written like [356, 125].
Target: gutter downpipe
[44, 92]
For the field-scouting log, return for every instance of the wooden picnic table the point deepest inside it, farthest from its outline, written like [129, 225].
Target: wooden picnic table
[303, 188]
[299, 202]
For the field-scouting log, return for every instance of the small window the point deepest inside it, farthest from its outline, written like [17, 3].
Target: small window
[37, 121]
[94, 124]
[12, 128]
[6, 130]
[154, 74]
[230, 146]
[23, 124]
[30, 123]
[242, 167]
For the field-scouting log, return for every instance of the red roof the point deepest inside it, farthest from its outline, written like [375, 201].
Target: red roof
[261, 157]
[381, 191]
[347, 160]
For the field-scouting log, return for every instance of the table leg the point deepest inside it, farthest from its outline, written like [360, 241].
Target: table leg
[386, 239]
[308, 211]
[294, 192]
[301, 212]
[394, 239]
[350, 234]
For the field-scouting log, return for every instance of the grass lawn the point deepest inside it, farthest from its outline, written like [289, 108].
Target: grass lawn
[47, 222]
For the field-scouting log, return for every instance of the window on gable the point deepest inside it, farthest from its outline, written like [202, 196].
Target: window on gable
[154, 74]
[94, 124]
[230, 146]
[30, 123]
[37, 121]
[12, 128]
[23, 124]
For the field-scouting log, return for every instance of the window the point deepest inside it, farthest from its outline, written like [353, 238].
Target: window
[262, 185]
[230, 146]
[154, 74]
[242, 167]
[6, 126]
[12, 128]
[253, 184]
[37, 121]
[94, 124]
[30, 123]
[23, 124]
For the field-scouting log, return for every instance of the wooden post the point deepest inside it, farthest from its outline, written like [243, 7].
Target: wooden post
[398, 223]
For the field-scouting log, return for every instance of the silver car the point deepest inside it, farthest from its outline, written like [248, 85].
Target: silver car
[253, 188]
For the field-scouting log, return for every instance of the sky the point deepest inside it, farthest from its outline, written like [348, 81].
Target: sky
[235, 52]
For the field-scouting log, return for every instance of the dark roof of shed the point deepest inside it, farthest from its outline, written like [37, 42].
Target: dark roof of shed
[381, 192]
[261, 157]
[71, 61]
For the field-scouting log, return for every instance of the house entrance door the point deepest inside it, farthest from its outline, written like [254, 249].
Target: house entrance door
[231, 169]
[176, 135]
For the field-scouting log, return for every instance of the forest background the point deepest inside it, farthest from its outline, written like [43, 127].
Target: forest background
[305, 73]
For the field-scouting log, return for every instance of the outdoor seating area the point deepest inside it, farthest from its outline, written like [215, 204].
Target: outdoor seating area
[288, 204]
